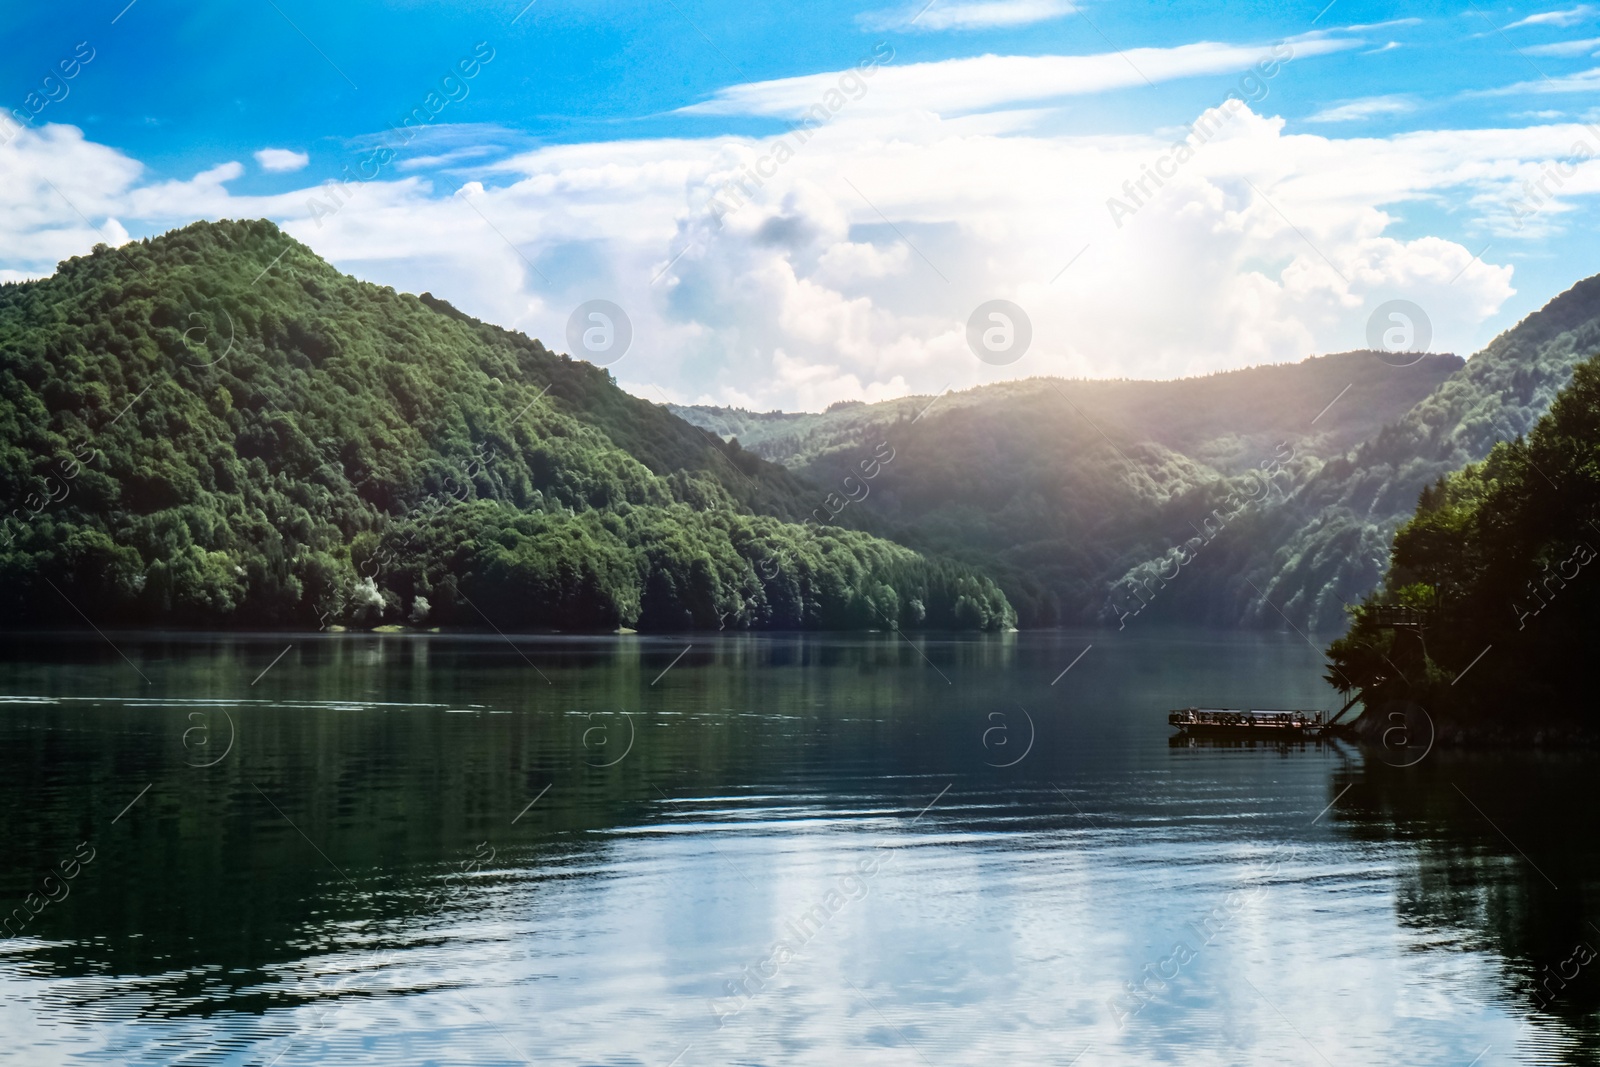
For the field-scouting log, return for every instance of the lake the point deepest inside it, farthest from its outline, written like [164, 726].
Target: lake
[763, 849]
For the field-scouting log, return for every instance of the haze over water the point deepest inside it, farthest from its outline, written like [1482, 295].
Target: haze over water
[442, 849]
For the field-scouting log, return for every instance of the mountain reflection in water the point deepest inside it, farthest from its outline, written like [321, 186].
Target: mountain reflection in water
[403, 849]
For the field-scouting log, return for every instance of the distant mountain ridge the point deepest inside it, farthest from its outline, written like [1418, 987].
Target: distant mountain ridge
[1059, 488]
[1216, 418]
[1326, 545]
[217, 428]
[1077, 495]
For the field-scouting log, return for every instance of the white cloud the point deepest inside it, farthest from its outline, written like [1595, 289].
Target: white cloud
[1383, 25]
[1366, 108]
[1569, 17]
[848, 262]
[852, 270]
[281, 160]
[222, 172]
[446, 159]
[1587, 81]
[807, 295]
[1588, 46]
[57, 185]
[968, 15]
[962, 86]
[1390, 47]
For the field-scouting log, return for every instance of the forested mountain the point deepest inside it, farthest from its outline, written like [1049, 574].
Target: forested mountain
[1327, 543]
[217, 428]
[1058, 488]
[1225, 420]
[1102, 500]
[1498, 565]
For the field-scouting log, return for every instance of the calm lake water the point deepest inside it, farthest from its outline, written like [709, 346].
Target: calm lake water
[829, 849]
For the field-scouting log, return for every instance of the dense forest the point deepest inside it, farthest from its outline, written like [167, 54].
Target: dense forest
[215, 428]
[1496, 569]
[1062, 488]
[1091, 501]
[1328, 544]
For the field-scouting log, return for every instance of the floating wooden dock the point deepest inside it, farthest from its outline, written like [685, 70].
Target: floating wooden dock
[1269, 725]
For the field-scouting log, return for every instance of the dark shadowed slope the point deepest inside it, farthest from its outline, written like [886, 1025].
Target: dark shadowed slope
[1327, 545]
[1060, 487]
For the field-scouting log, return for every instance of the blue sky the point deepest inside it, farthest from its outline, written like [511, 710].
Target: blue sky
[181, 89]
[1373, 163]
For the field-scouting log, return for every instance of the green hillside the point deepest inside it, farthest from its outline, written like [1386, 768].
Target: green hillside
[1327, 544]
[217, 428]
[1499, 561]
[1058, 488]
[1102, 500]
[1224, 420]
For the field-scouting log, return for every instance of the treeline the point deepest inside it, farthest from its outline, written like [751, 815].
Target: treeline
[660, 568]
[216, 428]
[1066, 490]
[1500, 560]
[1328, 544]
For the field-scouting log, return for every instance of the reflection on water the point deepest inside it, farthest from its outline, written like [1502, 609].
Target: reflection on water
[1508, 865]
[814, 849]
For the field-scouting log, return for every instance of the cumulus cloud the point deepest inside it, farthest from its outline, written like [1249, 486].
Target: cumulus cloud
[281, 160]
[848, 268]
[59, 197]
[852, 271]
